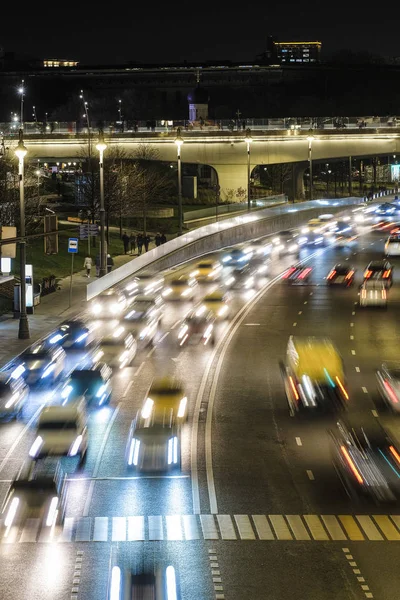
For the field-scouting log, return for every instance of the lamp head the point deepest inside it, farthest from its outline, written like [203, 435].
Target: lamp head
[248, 139]
[178, 139]
[101, 145]
[310, 138]
[21, 150]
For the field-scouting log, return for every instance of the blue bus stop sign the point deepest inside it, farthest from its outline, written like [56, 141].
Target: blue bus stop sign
[73, 245]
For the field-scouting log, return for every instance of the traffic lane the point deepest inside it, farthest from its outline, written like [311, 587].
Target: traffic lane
[189, 559]
[36, 571]
[282, 570]
[377, 567]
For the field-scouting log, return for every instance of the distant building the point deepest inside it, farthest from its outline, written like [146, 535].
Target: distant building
[59, 62]
[292, 53]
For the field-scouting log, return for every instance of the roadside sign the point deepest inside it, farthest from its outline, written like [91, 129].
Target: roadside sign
[94, 229]
[73, 245]
[83, 232]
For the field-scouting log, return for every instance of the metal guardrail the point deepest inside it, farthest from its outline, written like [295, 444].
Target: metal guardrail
[223, 209]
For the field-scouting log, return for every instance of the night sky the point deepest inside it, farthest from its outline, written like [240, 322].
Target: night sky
[196, 31]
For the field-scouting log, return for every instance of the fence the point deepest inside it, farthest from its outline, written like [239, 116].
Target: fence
[223, 209]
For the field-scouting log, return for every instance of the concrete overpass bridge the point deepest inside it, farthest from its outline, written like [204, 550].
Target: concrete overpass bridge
[226, 152]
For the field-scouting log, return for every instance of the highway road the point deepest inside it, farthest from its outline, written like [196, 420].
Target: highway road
[257, 509]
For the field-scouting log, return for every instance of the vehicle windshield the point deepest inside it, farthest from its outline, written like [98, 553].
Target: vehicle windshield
[81, 380]
[36, 356]
[395, 373]
[209, 300]
[179, 282]
[205, 266]
[59, 425]
[341, 270]
[139, 307]
[4, 389]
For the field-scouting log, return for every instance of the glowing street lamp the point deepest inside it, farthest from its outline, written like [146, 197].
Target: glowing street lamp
[179, 142]
[248, 139]
[21, 91]
[101, 146]
[20, 151]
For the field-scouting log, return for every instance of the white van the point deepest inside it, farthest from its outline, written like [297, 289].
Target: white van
[373, 293]
[392, 246]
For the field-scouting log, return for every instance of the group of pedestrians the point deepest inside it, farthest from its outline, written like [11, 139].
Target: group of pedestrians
[141, 240]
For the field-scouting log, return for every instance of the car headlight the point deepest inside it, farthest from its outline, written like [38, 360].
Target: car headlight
[133, 456]
[12, 400]
[144, 333]
[226, 258]
[12, 511]
[173, 450]
[73, 451]
[194, 273]
[182, 331]
[262, 269]
[230, 280]
[182, 407]
[96, 308]
[66, 391]
[222, 311]
[51, 515]
[167, 291]
[186, 293]
[48, 370]
[56, 338]
[82, 337]
[293, 248]
[34, 449]
[147, 408]
[101, 391]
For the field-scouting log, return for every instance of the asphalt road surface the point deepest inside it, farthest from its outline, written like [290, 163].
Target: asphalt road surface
[257, 510]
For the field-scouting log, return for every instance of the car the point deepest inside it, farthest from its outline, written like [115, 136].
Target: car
[373, 293]
[165, 398]
[297, 274]
[207, 270]
[182, 288]
[158, 584]
[386, 209]
[43, 364]
[143, 318]
[198, 325]
[341, 274]
[313, 376]
[385, 225]
[42, 497]
[73, 334]
[108, 304]
[379, 270]
[145, 283]
[260, 247]
[91, 384]
[366, 459]
[236, 256]
[287, 242]
[218, 303]
[314, 232]
[14, 393]
[117, 349]
[392, 245]
[246, 277]
[61, 431]
[153, 445]
[388, 380]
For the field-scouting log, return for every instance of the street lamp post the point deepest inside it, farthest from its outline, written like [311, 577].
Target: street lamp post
[310, 141]
[120, 110]
[101, 147]
[248, 139]
[21, 90]
[20, 151]
[179, 142]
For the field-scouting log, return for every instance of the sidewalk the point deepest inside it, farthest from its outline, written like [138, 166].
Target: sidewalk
[52, 310]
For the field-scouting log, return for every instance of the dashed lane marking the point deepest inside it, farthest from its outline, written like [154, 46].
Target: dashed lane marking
[306, 302]
[351, 324]
[353, 313]
[352, 337]
[300, 312]
[176, 324]
[361, 580]
[252, 324]
[128, 387]
[294, 324]
[151, 352]
[375, 413]
[364, 389]
[164, 336]
[139, 369]
[299, 442]
[357, 369]
[353, 352]
[310, 475]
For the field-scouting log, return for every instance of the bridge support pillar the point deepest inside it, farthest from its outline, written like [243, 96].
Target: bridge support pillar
[294, 184]
[232, 180]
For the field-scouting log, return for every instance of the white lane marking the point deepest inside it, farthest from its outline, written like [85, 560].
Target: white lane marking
[176, 324]
[164, 336]
[252, 324]
[353, 313]
[374, 412]
[310, 475]
[300, 312]
[311, 293]
[351, 324]
[357, 369]
[306, 302]
[352, 337]
[353, 352]
[355, 303]
[364, 389]
[98, 460]
[299, 442]
[138, 370]
[19, 437]
[294, 324]
[175, 358]
[347, 258]
[151, 352]
[128, 387]
[127, 478]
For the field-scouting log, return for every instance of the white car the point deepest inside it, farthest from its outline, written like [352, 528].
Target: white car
[146, 283]
[392, 245]
[13, 394]
[117, 349]
[143, 318]
[373, 293]
[180, 289]
[61, 431]
[109, 304]
[388, 380]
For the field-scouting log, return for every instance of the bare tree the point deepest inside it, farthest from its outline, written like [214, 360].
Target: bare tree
[275, 176]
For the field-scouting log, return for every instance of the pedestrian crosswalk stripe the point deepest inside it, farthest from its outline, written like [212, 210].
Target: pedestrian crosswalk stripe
[181, 528]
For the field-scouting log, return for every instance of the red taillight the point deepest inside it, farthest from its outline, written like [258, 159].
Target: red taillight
[304, 273]
[296, 395]
[288, 273]
[340, 384]
[395, 453]
[349, 275]
[386, 274]
[390, 392]
[351, 464]
[331, 274]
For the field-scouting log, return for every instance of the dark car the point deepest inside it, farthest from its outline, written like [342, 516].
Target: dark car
[43, 364]
[92, 384]
[153, 447]
[342, 275]
[74, 334]
[197, 326]
[297, 274]
[14, 393]
[379, 270]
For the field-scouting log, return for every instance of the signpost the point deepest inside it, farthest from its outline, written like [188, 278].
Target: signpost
[72, 249]
[88, 230]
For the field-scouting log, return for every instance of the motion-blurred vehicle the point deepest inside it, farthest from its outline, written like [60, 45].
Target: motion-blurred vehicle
[388, 380]
[109, 304]
[145, 284]
[288, 242]
[41, 497]
[313, 376]
[43, 364]
[73, 334]
[197, 326]
[341, 275]
[92, 384]
[373, 293]
[143, 318]
[165, 397]
[297, 274]
[260, 247]
[246, 277]
[207, 270]
[182, 288]
[117, 349]
[366, 459]
[384, 225]
[379, 270]
[14, 393]
[314, 232]
[392, 245]
[153, 445]
[236, 256]
[386, 209]
[161, 584]
[218, 303]
[61, 431]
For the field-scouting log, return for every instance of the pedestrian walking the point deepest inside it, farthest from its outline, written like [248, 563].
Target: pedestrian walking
[88, 265]
[125, 239]
[97, 265]
[132, 242]
[163, 238]
[146, 242]
[157, 239]
[140, 241]
[110, 263]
